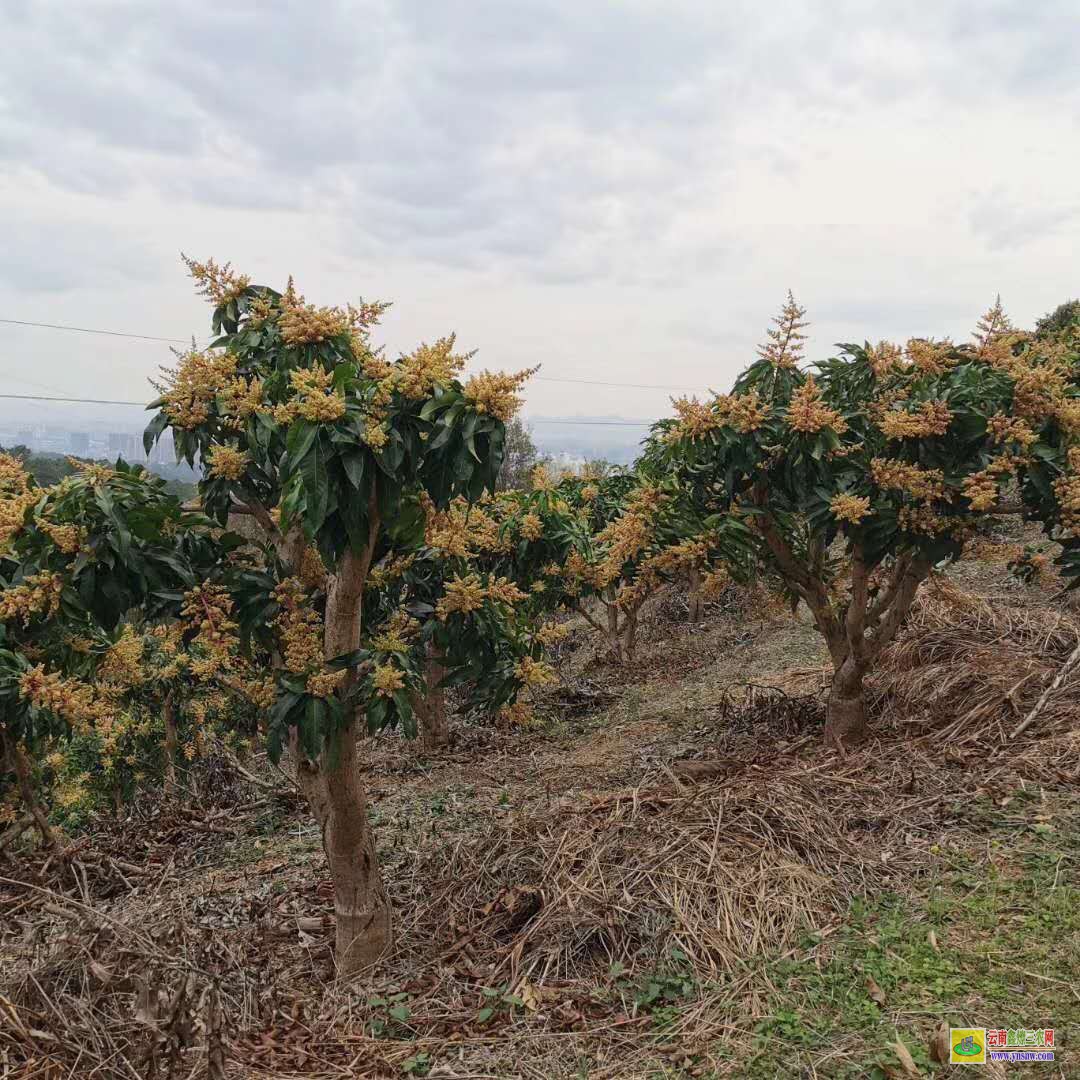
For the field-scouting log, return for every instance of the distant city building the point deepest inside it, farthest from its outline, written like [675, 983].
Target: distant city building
[79, 442]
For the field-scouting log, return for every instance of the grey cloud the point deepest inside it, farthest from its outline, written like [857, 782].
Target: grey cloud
[54, 256]
[543, 137]
[1006, 224]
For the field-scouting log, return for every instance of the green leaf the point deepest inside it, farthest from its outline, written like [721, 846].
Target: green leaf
[316, 489]
[299, 441]
[485, 1014]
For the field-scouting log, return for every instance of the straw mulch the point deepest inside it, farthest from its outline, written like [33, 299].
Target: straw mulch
[968, 671]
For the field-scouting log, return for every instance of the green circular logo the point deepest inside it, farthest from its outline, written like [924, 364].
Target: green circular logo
[967, 1047]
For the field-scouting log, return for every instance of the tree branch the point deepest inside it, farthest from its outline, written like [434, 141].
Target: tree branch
[901, 605]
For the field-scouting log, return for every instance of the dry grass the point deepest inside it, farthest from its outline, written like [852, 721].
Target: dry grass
[970, 671]
[617, 920]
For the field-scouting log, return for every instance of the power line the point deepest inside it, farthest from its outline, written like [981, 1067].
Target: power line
[184, 341]
[627, 385]
[72, 400]
[142, 404]
[89, 330]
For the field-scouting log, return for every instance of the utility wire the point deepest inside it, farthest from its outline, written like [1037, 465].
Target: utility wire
[183, 341]
[89, 330]
[143, 404]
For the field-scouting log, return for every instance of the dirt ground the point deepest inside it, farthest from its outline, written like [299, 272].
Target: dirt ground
[573, 901]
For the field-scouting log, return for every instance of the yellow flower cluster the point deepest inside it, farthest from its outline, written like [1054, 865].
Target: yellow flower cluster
[312, 571]
[534, 672]
[467, 594]
[388, 570]
[541, 479]
[590, 493]
[930, 357]
[122, 664]
[325, 684]
[851, 508]
[808, 414]
[496, 393]
[1004, 429]
[388, 680]
[207, 609]
[192, 386]
[1067, 493]
[922, 519]
[315, 398]
[552, 633]
[532, 528]
[299, 628]
[784, 347]
[70, 699]
[219, 284]
[301, 323]
[395, 634]
[981, 488]
[67, 538]
[696, 418]
[885, 359]
[922, 484]
[714, 582]
[39, 594]
[227, 462]
[14, 479]
[463, 530]
[517, 714]
[929, 418]
[238, 398]
[418, 374]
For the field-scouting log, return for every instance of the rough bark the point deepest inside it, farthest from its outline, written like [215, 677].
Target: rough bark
[431, 709]
[845, 711]
[630, 634]
[336, 796]
[335, 791]
[695, 601]
[169, 716]
[20, 766]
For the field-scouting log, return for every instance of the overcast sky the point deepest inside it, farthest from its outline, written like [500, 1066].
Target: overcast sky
[619, 191]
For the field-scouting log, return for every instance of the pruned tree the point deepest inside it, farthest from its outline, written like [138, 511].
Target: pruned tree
[307, 427]
[858, 478]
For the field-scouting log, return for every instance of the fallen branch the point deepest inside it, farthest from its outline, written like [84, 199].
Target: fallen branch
[1059, 678]
[13, 832]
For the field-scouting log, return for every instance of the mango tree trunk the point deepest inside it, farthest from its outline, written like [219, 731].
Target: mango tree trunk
[168, 710]
[21, 767]
[431, 710]
[845, 711]
[335, 793]
[695, 601]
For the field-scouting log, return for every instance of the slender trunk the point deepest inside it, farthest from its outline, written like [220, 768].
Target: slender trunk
[336, 795]
[696, 601]
[845, 713]
[630, 634]
[431, 711]
[335, 790]
[614, 634]
[169, 716]
[20, 765]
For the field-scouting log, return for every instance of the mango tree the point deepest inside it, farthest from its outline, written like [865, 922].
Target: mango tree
[76, 561]
[303, 424]
[860, 477]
